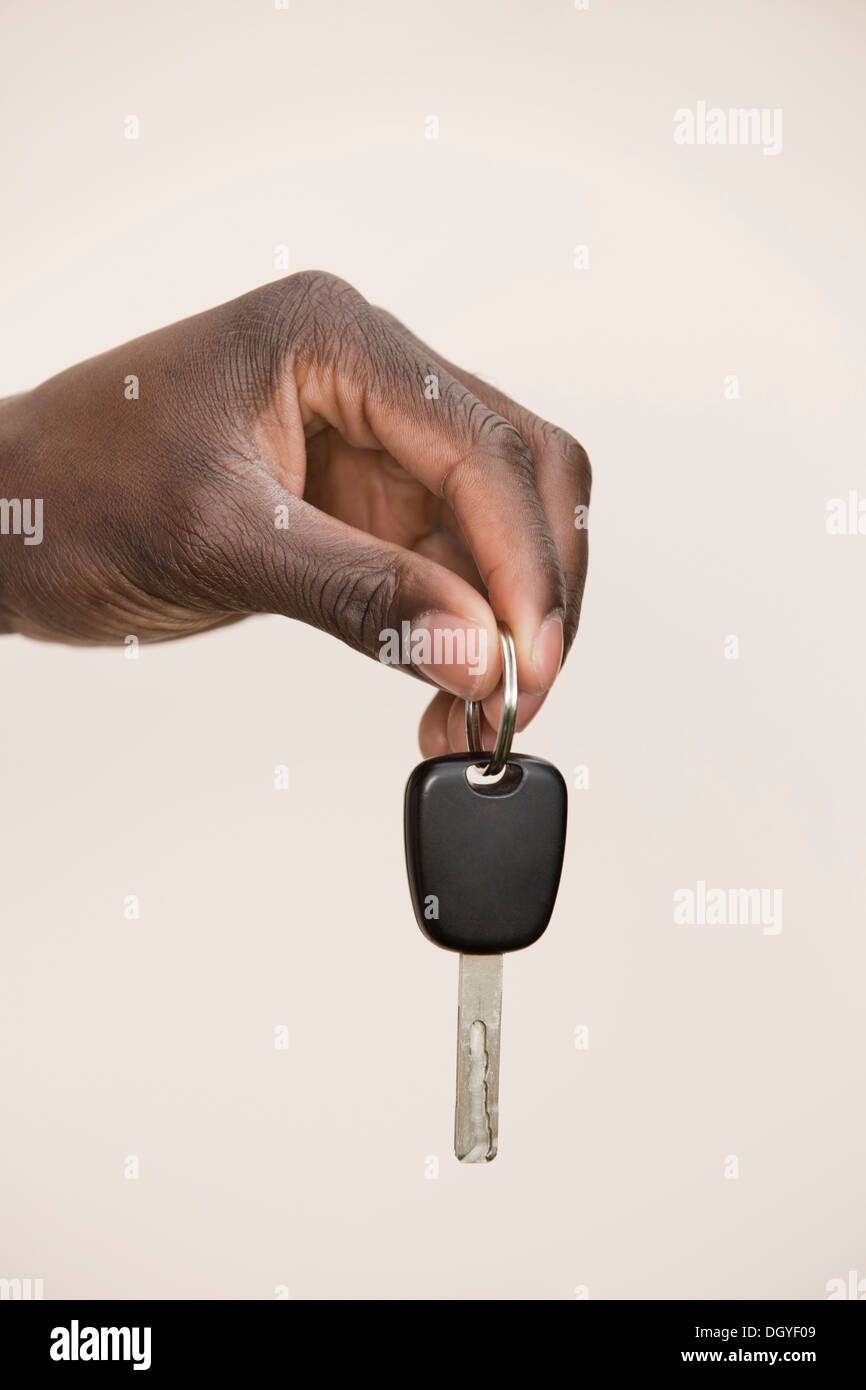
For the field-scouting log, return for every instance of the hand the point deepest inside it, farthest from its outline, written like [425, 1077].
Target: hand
[298, 451]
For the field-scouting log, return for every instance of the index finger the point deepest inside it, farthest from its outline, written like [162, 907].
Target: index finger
[564, 480]
[467, 453]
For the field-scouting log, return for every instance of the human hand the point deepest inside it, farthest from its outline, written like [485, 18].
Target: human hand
[298, 451]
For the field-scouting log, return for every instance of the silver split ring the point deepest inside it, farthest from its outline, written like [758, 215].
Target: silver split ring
[505, 736]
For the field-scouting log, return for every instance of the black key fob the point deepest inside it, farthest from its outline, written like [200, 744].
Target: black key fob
[484, 854]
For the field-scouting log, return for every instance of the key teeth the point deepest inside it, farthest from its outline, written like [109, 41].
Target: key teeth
[476, 1121]
[479, 1060]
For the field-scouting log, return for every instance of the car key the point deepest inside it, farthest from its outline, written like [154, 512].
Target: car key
[484, 837]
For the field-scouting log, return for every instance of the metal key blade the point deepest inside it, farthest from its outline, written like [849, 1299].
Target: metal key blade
[479, 1015]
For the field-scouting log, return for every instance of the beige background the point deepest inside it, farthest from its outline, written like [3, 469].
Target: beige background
[306, 1167]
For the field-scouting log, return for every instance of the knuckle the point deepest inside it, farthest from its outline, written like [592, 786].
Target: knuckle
[384, 360]
[313, 287]
[511, 445]
[491, 442]
[309, 311]
[354, 600]
[458, 408]
[573, 458]
[498, 435]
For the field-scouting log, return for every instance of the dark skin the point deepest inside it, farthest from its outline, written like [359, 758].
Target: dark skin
[399, 497]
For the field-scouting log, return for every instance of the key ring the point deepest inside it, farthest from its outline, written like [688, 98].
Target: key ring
[505, 736]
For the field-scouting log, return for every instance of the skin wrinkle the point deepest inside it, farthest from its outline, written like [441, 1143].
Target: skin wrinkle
[372, 609]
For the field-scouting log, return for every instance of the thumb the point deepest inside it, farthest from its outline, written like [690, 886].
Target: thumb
[391, 603]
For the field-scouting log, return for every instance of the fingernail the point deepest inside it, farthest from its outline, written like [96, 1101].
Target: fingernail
[451, 651]
[547, 651]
